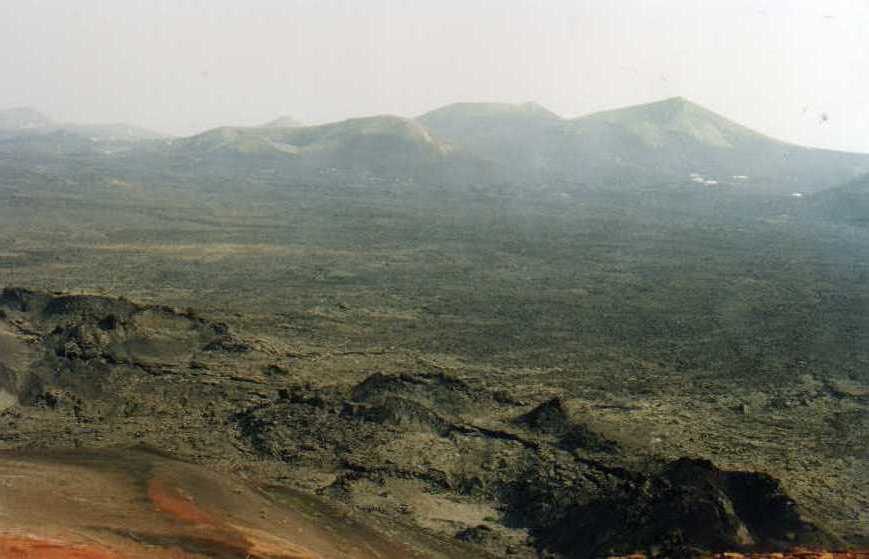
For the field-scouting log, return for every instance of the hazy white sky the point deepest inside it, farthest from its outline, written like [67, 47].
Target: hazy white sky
[794, 69]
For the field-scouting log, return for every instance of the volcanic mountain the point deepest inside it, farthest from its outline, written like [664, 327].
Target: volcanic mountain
[665, 141]
[357, 150]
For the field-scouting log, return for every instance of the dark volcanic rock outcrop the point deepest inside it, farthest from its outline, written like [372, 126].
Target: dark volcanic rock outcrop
[681, 509]
[552, 418]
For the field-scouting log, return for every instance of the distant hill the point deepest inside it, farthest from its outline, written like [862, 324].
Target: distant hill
[28, 129]
[380, 136]
[361, 149]
[117, 132]
[848, 203]
[676, 138]
[517, 138]
[23, 118]
[282, 122]
[673, 140]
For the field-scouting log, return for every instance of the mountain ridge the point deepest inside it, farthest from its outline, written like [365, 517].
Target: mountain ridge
[27, 120]
[677, 114]
[672, 141]
[21, 118]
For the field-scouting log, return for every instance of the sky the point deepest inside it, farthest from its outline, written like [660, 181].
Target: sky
[794, 69]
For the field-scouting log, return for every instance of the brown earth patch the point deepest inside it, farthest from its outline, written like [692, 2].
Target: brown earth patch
[12, 547]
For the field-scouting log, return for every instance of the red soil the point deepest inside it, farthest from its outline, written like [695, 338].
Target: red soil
[27, 548]
[96, 506]
[176, 505]
[221, 536]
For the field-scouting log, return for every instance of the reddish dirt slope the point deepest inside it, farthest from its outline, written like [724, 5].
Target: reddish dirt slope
[30, 548]
[139, 506]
